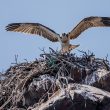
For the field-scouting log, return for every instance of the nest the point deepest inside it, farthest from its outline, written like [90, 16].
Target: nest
[33, 85]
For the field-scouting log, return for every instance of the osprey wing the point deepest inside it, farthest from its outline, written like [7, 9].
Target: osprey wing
[88, 23]
[34, 28]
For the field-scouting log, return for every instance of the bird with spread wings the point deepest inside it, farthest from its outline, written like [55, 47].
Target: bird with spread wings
[64, 39]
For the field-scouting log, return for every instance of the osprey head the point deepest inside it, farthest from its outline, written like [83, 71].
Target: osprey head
[64, 35]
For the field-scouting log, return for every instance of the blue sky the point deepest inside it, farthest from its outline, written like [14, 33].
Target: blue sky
[61, 16]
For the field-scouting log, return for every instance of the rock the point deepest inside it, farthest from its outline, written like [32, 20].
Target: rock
[38, 88]
[99, 78]
[77, 97]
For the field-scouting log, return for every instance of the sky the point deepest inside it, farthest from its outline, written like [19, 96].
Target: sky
[59, 15]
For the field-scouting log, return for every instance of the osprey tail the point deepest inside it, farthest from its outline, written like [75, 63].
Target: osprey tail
[71, 47]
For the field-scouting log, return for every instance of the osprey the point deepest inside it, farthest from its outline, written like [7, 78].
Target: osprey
[64, 39]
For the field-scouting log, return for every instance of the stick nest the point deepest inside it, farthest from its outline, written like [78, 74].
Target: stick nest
[28, 85]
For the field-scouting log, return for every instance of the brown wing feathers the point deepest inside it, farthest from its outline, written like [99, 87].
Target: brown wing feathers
[106, 21]
[88, 23]
[39, 29]
[34, 28]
